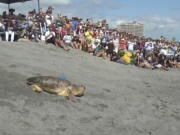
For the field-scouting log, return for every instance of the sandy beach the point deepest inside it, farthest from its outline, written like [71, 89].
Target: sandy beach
[119, 100]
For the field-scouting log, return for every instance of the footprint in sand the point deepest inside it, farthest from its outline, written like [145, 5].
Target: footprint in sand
[107, 90]
[89, 119]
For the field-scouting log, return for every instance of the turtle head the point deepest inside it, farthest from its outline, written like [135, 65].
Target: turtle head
[33, 80]
[77, 90]
[81, 89]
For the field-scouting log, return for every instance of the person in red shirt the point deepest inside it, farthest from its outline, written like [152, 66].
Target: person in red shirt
[123, 44]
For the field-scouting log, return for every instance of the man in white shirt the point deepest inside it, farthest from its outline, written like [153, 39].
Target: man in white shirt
[68, 40]
[131, 45]
[149, 45]
[95, 42]
[48, 18]
[116, 43]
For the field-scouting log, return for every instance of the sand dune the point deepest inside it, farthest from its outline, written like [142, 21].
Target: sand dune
[119, 100]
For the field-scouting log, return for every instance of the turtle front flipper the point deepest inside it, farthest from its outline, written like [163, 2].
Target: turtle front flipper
[70, 95]
[36, 88]
[66, 92]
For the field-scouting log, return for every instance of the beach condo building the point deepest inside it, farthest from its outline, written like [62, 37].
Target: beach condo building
[134, 28]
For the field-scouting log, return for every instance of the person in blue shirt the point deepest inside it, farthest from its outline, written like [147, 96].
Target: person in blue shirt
[75, 24]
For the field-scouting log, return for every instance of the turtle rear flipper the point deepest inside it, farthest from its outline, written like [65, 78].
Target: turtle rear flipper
[66, 92]
[70, 96]
[36, 88]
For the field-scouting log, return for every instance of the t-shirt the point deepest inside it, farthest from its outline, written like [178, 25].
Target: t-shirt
[49, 34]
[131, 46]
[123, 44]
[116, 44]
[170, 52]
[12, 17]
[88, 35]
[68, 26]
[103, 40]
[110, 47]
[74, 25]
[110, 37]
[49, 19]
[127, 57]
[163, 51]
[149, 46]
[67, 38]
[63, 32]
[59, 23]
[95, 43]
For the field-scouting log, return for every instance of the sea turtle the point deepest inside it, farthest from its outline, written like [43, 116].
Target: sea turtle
[55, 85]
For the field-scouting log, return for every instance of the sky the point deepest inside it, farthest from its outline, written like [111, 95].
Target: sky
[160, 17]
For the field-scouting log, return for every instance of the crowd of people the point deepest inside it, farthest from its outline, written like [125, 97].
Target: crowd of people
[96, 38]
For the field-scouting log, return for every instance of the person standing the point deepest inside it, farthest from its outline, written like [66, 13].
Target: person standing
[11, 25]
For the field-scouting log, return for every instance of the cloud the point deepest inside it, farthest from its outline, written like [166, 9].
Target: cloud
[155, 26]
[28, 6]
[114, 6]
[118, 22]
[175, 9]
[96, 9]
[55, 2]
[98, 1]
[110, 10]
[156, 22]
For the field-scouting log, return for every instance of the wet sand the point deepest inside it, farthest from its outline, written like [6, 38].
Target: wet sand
[119, 100]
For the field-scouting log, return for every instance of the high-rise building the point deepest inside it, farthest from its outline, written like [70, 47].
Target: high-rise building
[135, 28]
